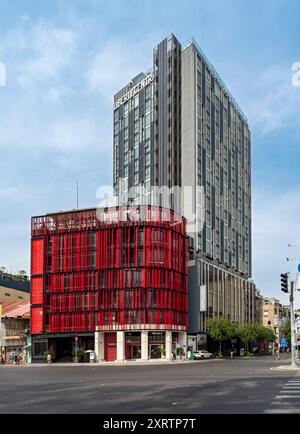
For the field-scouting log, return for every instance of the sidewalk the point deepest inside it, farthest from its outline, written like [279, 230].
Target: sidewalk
[125, 363]
[286, 368]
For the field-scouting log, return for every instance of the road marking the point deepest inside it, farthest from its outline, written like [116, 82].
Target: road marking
[284, 403]
[291, 387]
[289, 391]
[288, 400]
[283, 411]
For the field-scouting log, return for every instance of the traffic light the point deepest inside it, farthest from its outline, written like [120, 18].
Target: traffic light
[284, 282]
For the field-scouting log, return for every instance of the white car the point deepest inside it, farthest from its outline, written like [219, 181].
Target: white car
[203, 354]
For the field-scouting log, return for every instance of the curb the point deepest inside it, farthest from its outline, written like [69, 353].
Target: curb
[102, 364]
[285, 368]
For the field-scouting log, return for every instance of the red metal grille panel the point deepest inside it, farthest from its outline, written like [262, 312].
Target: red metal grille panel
[37, 320]
[37, 266]
[37, 294]
[114, 275]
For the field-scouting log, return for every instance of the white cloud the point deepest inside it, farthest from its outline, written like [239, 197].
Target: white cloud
[63, 132]
[54, 95]
[13, 193]
[52, 49]
[116, 63]
[268, 98]
[275, 225]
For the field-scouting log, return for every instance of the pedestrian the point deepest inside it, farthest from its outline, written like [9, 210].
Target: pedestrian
[49, 359]
[231, 354]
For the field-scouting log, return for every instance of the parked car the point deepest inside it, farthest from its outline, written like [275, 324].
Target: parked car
[203, 354]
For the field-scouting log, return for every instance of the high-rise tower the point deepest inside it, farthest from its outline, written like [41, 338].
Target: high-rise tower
[179, 126]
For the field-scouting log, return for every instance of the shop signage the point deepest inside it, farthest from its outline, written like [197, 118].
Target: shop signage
[136, 89]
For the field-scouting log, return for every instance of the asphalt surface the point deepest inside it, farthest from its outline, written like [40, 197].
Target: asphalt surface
[202, 387]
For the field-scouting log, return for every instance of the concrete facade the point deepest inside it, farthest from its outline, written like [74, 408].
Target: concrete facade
[274, 314]
[223, 294]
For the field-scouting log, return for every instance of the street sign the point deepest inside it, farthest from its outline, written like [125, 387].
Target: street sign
[283, 342]
[299, 268]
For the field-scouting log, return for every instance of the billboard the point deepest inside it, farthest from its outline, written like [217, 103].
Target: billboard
[203, 298]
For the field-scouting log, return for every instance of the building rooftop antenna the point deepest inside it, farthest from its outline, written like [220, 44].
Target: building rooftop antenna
[77, 195]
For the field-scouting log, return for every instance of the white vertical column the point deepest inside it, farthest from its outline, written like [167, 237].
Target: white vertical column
[168, 345]
[144, 345]
[99, 346]
[120, 346]
[182, 340]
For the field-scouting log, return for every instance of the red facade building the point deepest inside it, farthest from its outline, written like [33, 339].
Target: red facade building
[111, 280]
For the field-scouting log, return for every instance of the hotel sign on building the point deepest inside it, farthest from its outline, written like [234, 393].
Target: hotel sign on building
[136, 89]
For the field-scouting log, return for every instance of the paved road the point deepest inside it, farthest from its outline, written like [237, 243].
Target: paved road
[228, 386]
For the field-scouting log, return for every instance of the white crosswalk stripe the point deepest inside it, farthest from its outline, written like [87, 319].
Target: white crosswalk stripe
[288, 399]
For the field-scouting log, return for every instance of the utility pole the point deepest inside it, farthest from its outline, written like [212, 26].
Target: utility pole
[294, 286]
[293, 342]
[278, 349]
[287, 286]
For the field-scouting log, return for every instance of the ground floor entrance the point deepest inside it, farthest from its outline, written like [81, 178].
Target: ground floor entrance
[135, 345]
[110, 349]
[109, 346]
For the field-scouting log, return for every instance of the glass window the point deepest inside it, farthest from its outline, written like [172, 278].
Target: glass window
[147, 172]
[148, 119]
[136, 139]
[116, 115]
[148, 92]
[147, 133]
[148, 105]
[126, 107]
[136, 102]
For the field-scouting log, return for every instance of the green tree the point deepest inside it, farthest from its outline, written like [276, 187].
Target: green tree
[22, 275]
[265, 334]
[248, 332]
[219, 329]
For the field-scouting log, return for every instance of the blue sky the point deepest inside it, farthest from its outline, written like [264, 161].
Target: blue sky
[64, 61]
